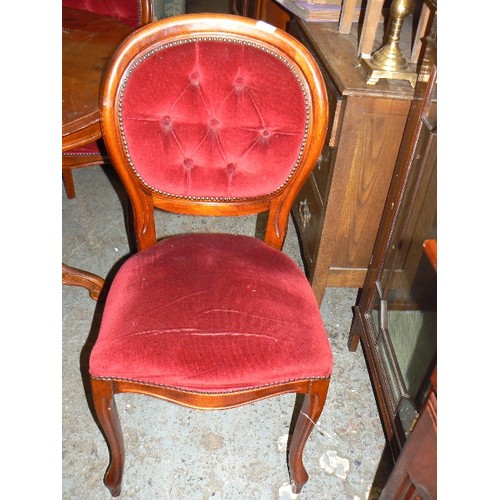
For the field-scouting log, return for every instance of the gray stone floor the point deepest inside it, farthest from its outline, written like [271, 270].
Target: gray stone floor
[177, 453]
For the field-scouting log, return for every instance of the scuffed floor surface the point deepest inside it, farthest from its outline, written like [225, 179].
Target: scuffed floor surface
[178, 453]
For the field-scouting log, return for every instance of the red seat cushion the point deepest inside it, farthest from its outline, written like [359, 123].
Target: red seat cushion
[211, 313]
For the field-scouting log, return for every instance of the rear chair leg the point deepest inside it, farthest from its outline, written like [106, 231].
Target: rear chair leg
[69, 183]
[312, 406]
[104, 403]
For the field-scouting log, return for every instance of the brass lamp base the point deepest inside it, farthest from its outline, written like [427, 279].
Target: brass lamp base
[375, 73]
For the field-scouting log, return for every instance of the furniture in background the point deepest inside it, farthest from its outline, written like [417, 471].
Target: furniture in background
[82, 144]
[92, 31]
[266, 10]
[134, 13]
[396, 12]
[88, 41]
[338, 212]
[414, 473]
[395, 316]
[339, 208]
[194, 123]
[168, 8]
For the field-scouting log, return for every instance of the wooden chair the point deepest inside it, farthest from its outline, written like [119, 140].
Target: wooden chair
[135, 13]
[215, 115]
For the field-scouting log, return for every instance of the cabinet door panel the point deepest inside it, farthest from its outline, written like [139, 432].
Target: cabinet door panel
[397, 310]
[414, 476]
[369, 143]
[247, 8]
[307, 213]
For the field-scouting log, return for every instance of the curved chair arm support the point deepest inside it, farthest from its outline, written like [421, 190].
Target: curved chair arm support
[76, 277]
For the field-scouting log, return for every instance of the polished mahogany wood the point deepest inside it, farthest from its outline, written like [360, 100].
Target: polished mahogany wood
[76, 277]
[430, 249]
[103, 391]
[278, 205]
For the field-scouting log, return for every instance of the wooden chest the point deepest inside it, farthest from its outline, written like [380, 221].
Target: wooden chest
[338, 211]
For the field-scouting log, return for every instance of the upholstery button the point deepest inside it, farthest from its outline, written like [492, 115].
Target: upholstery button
[231, 167]
[239, 83]
[195, 78]
[265, 133]
[214, 123]
[188, 164]
[166, 123]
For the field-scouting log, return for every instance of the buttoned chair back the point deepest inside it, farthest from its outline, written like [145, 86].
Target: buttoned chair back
[214, 115]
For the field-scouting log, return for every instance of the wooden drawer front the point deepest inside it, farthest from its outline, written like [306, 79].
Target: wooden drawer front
[307, 213]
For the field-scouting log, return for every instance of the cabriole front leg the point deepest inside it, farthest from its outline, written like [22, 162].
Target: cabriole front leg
[104, 403]
[312, 406]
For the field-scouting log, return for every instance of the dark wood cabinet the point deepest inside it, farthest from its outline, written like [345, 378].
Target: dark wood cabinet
[414, 475]
[266, 10]
[338, 212]
[396, 314]
[247, 8]
[275, 14]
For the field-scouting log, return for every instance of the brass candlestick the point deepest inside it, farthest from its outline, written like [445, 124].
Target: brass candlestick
[389, 62]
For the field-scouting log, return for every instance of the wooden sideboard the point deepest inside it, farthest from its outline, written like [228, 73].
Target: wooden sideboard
[267, 10]
[338, 211]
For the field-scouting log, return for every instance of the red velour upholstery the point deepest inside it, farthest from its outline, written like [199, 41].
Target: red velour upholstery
[127, 11]
[211, 313]
[218, 121]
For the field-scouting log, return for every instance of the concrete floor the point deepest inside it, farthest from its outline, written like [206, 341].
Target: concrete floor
[177, 453]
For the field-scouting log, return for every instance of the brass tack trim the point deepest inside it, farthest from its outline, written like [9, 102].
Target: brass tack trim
[214, 38]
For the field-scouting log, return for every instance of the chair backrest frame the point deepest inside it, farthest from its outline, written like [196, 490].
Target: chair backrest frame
[177, 29]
